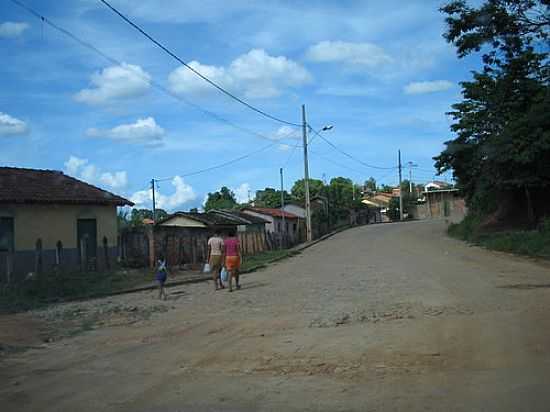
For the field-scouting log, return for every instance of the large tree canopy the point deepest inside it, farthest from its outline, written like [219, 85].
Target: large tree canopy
[270, 197]
[502, 127]
[224, 199]
[316, 188]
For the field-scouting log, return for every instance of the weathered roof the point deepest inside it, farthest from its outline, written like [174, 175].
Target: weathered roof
[241, 217]
[271, 212]
[18, 185]
[209, 219]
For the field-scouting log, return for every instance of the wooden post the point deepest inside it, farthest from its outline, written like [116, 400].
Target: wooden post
[83, 254]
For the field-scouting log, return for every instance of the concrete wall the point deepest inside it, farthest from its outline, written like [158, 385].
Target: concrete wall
[441, 205]
[53, 223]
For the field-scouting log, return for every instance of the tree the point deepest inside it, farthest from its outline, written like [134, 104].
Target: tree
[386, 188]
[316, 188]
[194, 210]
[224, 199]
[502, 144]
[370, 184]
[270, 197]
[137, 216]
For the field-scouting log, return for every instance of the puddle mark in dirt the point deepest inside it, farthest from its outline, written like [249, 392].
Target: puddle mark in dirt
[525, 286]
[398, 312]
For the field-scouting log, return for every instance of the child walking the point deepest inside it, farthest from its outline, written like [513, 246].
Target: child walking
[162, 274]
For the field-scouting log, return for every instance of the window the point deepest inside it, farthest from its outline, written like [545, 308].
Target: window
[294, 227]
[6, 234]
[278, 226]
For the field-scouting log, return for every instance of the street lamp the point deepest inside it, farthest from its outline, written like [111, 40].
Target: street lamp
[305, 126]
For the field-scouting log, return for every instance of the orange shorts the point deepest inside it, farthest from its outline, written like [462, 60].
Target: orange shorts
[232, 263]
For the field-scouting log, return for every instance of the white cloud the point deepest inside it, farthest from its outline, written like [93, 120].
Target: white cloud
[143, 131]
[284, 147]
[255, 74]
[115, 180]
[357, 54]
[115, 83]
[84, 170]
[10, 126]
[427, 87]
[241, 193]
[183, 193]
[11, 30]
[287, 132]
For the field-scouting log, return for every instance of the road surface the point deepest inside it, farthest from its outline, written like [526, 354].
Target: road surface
[394, 317]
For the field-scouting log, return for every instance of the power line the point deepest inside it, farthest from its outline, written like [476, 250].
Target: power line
[206, 79]
[227, 163]
[347, 154]
[154, 83]
[328, 159]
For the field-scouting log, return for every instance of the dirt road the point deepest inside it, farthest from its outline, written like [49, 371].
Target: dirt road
[379, 318]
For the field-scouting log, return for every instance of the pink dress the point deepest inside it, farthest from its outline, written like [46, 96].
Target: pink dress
[232, 256]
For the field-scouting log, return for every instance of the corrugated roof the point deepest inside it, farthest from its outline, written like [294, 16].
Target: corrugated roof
[241, 217]
[271, 212]
[18, 185]
[209, 219]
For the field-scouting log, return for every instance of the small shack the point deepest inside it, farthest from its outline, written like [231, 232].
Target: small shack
[182, 237]
[250, 229]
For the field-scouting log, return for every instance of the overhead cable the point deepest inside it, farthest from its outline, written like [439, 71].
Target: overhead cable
[202, 76]
[347, 154]
[145, 78]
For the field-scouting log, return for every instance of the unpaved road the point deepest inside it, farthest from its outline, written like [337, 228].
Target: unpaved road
[379, 318]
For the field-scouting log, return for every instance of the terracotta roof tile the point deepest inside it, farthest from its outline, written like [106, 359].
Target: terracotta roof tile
[18, 185]
[271, 212]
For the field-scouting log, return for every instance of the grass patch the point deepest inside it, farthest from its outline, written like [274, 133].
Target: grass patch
[534, 243]
[54, 287]
[262, 259]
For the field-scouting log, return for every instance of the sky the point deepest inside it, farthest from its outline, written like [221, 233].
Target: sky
[379, 72]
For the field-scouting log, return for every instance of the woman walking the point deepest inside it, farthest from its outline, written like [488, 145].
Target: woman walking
[232, 258]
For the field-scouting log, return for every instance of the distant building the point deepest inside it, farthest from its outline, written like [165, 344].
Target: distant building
[50, 220]
[275, 220]
[436, 185]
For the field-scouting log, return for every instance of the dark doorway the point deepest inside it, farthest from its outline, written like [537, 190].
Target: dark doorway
[86, 230]
[6, 234]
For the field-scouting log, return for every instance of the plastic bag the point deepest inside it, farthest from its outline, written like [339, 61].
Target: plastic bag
[206, 268]
[224, 275]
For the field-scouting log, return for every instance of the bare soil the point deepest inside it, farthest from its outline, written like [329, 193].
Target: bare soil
[394, 317]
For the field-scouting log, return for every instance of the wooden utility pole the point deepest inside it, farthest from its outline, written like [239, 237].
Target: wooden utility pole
[154, 204]
[283, 231]
[309, 236]
[400, 190]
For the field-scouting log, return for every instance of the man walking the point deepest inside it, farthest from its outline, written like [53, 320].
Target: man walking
[215, 258]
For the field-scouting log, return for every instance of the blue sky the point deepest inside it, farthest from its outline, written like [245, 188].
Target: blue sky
[378, 71]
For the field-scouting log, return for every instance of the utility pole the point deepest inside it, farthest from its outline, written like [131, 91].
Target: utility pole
[282, 208]
[410, 165]
[154, 205]
[400, 191]
[309, 236]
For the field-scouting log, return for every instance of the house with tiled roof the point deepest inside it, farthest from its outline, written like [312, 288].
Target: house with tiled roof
[49, 220]
[279, 221]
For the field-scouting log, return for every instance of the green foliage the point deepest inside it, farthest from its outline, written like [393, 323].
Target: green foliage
[502, 126]
[224, 199]
[370, 184]
[531, 243]
[270, 197]
[316, 188]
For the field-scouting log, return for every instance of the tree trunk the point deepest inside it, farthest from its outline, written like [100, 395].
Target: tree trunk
[530, 211]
